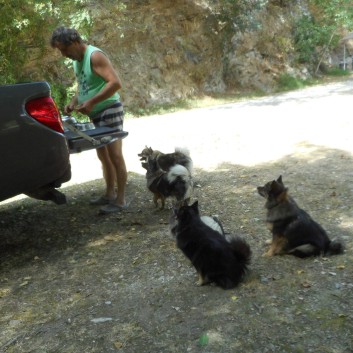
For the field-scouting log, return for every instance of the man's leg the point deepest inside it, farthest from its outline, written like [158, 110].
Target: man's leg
[115, 151]
[109, 173]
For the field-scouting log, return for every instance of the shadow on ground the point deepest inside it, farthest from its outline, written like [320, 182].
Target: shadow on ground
[74, 281]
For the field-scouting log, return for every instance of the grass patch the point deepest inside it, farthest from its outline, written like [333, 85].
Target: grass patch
[287, 83]
[338, 72]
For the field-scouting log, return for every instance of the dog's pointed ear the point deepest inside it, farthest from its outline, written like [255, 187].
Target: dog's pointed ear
[279, 180]
[277, 187]
[195, 207]
[261, 190]
[175, 211]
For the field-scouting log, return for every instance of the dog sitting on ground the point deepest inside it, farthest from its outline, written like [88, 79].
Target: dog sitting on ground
[294, 232]
[216, 259]
[176, 183]
[210, 221]
[167, 160]
[168, 175]
[214, 223]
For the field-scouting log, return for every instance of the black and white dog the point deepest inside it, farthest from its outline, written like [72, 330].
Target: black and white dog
[216, 259]
[176, 182]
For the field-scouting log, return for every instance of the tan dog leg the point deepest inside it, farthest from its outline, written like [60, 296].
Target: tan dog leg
[202, 281]
[277, 245]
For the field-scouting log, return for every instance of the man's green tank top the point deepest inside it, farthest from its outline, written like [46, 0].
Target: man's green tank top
[90, 84]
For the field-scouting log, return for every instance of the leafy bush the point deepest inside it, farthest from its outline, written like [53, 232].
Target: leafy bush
[320, 29]
[308, 36]
[287, 82]
[337, 72]
[25, 26]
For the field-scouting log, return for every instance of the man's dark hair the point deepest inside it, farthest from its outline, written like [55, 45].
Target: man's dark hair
[65, 36]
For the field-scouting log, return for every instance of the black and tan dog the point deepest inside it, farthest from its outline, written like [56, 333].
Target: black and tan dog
[216, 259]
[168, 174]
[167, 160]
[176, 183]
[293, 230]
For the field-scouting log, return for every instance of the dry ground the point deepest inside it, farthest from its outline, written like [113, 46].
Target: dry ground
[74, 281]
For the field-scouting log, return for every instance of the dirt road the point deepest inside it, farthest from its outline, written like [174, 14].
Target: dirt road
[73, 281]
[245, 133]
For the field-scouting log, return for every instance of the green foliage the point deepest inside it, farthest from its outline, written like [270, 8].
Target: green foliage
[26, 26]
[321, 29]
[59, 93]
[333, 12]
[337, 72]
[19, 25]
[308, 36]
[287, 82]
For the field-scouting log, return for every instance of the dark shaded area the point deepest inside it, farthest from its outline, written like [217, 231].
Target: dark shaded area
[74, 281]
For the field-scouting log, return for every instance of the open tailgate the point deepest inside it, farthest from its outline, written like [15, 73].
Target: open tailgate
[82, 140]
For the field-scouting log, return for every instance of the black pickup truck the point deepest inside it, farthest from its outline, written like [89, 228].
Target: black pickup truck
[35, 146]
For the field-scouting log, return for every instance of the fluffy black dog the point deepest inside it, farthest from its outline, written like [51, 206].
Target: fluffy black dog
[216, 259]
[176, 182]
[293, 230]
[214, 223]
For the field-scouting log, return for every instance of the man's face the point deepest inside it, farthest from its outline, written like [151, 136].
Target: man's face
[71, 51]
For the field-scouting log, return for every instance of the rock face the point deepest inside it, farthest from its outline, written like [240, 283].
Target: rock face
[164, 50]
[173, 49]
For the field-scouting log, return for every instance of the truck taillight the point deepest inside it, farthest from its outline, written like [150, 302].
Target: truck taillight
[46, 112]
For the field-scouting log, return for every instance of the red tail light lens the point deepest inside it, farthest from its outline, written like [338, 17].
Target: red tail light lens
[46, 112]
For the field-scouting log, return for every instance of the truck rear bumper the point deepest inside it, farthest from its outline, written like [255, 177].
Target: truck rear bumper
[96, 138]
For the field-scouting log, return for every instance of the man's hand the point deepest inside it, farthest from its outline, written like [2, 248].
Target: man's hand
[85, 107]
[68, 109]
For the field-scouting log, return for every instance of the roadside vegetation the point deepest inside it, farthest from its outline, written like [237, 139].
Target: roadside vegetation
[285, 83]
[316, 33]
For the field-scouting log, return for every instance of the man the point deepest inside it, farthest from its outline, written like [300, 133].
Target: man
[97, 96]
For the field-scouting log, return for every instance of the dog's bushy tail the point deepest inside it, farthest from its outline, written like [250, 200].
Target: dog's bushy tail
[241, 251]
[178, 171]
[335, 248]
[182, 182]
[185, 158]
[183, 150]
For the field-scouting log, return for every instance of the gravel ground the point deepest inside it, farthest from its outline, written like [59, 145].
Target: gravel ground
[74, 281]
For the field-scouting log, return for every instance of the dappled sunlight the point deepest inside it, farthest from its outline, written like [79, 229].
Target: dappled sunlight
[304, 151]
[65, 268]
[104, 240]
[127, 268]
[346, 223]
[4, 292]
[247, 133]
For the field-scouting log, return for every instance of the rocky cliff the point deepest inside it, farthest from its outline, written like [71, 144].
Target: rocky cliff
[174, 49]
